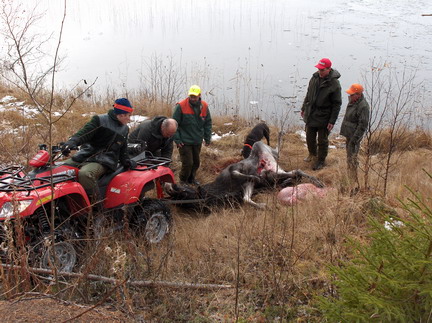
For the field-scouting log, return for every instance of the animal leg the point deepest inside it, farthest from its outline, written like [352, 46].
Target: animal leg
[247, 197]
[238, 175]
[301, 174]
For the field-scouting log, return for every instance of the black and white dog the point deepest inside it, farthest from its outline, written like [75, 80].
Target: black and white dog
[237, 182]
[260, 131]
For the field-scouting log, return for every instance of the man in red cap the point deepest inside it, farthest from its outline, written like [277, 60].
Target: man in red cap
[320, 110]
[354, 126]
[103, 142]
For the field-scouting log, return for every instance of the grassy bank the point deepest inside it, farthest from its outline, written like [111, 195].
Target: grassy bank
[276, 259]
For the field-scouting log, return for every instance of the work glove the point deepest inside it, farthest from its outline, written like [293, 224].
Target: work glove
[129, 163]
[67, 147]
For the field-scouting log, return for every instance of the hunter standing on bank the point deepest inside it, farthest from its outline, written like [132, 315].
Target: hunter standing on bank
[103, 142]
[354, 126]
[320, 111]
[194, 127]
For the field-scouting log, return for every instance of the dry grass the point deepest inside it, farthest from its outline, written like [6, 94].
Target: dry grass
[275, 258]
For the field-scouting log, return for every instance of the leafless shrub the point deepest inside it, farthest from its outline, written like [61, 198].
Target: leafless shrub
[391, 94]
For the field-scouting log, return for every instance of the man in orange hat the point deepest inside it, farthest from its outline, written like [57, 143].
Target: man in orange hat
[354, 126]
[320, 110]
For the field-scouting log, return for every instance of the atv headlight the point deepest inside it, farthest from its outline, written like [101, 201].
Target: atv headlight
[7, 211]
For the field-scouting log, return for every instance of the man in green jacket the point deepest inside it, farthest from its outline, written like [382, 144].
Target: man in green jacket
[194, 127]
[103, 142]
[320, 111]
[354, 126]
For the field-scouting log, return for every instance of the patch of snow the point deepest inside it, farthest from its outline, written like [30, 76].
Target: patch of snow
[228, 124]
[215, 137]
[16, 131]
[332, 146]
[231, 133]
[390, 225]
[7, 99]
[253, 102]
[28, 110]
[136, 120]
[302, 134]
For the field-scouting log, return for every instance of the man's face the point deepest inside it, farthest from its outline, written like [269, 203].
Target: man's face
[354, 97]
[169, 131]
[324, 72]
[124, 118]
[193, 98]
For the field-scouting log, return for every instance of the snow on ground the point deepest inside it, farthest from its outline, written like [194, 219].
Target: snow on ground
[302, 134]
[8, 103]
[136, 120]
[7, 99]
[216, 137]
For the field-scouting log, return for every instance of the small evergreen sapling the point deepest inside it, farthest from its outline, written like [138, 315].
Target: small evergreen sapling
[389, 280]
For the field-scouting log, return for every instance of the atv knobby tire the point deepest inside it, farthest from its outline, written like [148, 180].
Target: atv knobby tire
[64, 257]
[152, 219]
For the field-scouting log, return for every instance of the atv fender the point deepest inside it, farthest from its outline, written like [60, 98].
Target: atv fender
[77, 198]
[126, 187]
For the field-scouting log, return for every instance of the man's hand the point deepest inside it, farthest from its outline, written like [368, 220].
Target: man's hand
[207, 144]
[129, 163]
[330, 127]
[179, 144]
[67, 147]
[302, 113]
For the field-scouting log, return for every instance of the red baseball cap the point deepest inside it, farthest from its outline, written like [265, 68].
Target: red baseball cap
[324, 63]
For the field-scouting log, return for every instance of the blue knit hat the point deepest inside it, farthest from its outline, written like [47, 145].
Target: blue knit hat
[122, 106]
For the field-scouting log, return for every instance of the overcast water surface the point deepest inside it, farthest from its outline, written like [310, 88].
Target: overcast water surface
[253, 57]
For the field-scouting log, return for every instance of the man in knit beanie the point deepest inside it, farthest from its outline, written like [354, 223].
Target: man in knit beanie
[103, 142]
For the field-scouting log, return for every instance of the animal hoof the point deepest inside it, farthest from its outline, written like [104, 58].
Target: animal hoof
[261, 206]
[318, 183]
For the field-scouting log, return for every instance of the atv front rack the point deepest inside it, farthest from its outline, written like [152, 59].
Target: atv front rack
[16, 183]
[11, 170]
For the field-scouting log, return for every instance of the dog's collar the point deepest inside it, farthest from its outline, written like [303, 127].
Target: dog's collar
[247, 145]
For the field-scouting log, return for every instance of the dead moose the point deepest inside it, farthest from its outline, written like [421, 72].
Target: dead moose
[238, 182]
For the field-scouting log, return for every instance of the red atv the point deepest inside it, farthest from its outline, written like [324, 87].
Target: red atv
[54, 186]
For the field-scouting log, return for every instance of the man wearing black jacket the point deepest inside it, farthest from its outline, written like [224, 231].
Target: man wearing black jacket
[103, 142]
[155, 136]
[320, 110]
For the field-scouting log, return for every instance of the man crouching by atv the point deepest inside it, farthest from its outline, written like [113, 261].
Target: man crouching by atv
[103, 142]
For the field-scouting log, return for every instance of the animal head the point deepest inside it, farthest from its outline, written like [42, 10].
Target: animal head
[181, 192]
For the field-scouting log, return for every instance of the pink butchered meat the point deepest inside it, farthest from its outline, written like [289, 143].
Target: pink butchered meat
[291, 195]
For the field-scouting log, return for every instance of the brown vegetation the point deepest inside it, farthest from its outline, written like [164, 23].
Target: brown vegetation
[275, 259]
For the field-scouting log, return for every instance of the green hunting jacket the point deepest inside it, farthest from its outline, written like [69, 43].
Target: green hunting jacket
[356, 120]
[192, 128]
[323, 100]
[103, 140]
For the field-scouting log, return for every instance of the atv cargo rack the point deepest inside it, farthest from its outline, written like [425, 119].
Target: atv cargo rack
[150, 162]
[16, 183]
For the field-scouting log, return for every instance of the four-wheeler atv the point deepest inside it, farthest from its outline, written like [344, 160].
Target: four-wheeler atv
[27, 200]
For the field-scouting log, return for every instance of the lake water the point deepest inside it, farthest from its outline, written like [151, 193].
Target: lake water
[252, 57]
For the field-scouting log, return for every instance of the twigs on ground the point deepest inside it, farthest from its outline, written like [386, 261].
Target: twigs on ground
[135, 283]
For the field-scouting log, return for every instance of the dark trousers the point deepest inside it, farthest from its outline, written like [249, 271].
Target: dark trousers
[190, 159]
[88, 175]
[319, 149]
[352, 149]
